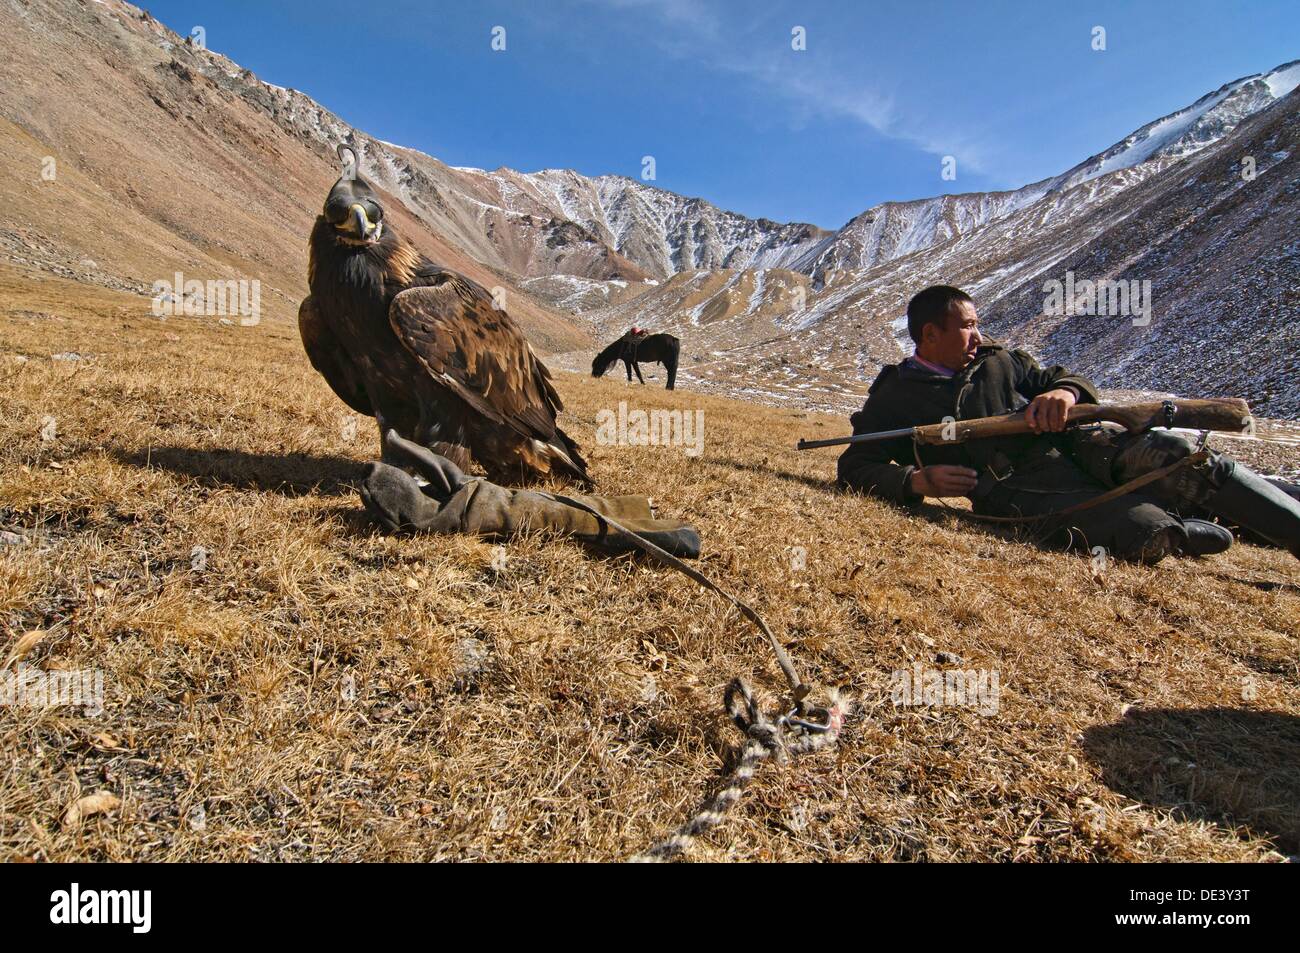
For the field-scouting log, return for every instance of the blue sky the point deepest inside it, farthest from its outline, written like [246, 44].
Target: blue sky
[714, 92]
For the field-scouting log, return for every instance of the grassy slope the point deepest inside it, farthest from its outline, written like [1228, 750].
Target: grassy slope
[567, 707]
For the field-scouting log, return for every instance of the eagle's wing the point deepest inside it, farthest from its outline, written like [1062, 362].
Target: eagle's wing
[476, 351]
[330, 360]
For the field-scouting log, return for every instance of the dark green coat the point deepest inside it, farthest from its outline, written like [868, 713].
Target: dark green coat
[998, 381]
[1025, 476]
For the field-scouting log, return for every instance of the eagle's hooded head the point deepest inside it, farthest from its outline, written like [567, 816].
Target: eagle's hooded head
[352, 208]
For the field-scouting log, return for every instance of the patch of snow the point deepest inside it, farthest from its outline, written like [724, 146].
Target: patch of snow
[1283, 80]
[901, 337]
[756, 298]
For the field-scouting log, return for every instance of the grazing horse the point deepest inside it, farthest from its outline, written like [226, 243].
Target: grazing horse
[636, 347]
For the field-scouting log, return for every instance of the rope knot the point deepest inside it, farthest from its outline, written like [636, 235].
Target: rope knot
[812, 726]
[770, 735]
[749, 718]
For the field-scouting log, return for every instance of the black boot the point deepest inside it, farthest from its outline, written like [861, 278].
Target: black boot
[1205, 538]
[1251, 502]
[1188, 537]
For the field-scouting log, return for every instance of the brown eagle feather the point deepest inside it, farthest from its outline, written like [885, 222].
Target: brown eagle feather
[426, 351]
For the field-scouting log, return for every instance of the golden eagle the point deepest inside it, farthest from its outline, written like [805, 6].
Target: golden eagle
[424, 350]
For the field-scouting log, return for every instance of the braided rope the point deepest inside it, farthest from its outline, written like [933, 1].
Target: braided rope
[766, 739]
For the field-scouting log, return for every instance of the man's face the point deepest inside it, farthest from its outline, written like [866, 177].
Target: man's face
[954, 345]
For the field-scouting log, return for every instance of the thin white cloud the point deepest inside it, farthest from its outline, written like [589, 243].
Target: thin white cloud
[832, 97]
[698, 32]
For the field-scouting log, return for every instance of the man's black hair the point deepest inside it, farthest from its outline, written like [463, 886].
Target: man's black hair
[932, 306]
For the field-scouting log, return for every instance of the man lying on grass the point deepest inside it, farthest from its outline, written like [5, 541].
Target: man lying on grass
[955, 373]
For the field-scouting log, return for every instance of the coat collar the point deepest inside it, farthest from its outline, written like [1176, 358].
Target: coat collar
[911, 370]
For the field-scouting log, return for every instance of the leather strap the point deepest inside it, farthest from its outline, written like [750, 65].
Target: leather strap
[1199, 457]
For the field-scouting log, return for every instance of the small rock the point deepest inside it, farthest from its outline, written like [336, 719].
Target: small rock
[12, 539]
[649, 689]
[471, 657]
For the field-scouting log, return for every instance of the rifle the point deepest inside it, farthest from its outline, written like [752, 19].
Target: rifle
[1231, 415]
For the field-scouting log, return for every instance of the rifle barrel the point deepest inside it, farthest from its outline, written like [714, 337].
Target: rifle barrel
[1226, 415]
[856, 438]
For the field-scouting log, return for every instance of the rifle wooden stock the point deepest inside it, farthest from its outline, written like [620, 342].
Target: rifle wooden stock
[1230, 415]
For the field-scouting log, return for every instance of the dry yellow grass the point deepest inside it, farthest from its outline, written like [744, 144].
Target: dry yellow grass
[323, 691]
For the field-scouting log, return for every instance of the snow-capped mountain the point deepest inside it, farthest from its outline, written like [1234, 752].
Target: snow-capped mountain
[663, 233]
[775, 311]
[555, 221]
[611, 227]
[1220, 246]
[894, 229]
[1187, 131]
[659, 231]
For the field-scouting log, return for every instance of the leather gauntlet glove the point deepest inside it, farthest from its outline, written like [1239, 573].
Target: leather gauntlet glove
[455, 503]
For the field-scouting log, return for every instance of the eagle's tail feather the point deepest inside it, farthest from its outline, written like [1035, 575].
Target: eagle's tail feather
[455, 452]
[565, 457]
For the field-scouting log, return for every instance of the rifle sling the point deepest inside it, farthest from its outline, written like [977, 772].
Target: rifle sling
[1136, 483]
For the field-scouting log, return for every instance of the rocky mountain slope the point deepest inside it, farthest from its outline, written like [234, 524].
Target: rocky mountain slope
[775, 311]
[1222, 255]
[661, 232]
[894, 229]
[167, 157]
[1171, 205]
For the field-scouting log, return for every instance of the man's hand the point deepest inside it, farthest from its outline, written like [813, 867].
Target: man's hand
[1050, 411]
[943, 479]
